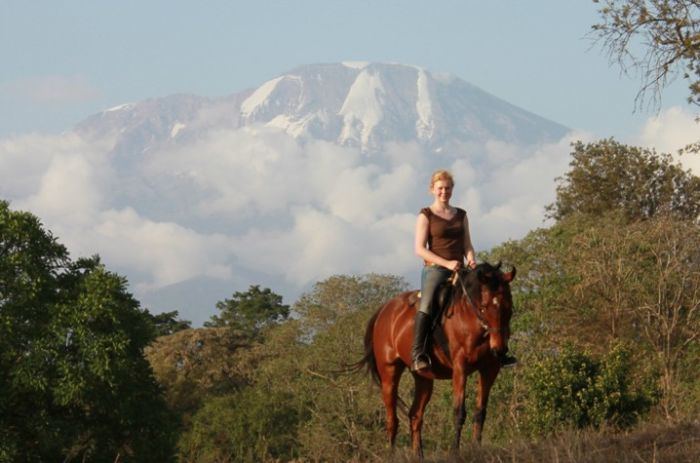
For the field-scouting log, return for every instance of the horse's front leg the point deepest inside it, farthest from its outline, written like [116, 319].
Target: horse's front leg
[486, 379]
[459, 378]
[424, 390]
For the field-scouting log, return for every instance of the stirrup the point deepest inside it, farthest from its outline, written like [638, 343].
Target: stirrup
[422, 362]
[507, 361]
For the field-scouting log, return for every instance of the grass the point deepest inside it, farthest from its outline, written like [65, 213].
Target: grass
[678, 443]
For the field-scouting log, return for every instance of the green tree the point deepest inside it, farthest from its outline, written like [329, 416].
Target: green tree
[167, 323]
[75, 383]
[571, 388]
[346, 415]
[319, 413]
[658, 38]
[30, 261]
[667, 312]
[195, 364]
[250, 312]
[607, 175]
[595, 281]
[250, 425]
[340, 295]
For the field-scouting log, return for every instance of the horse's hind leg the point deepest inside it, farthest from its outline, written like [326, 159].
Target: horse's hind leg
[424, 390]
[391, 374]
[486, 379]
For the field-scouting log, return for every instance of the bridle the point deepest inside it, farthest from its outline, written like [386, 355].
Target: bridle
[454, 279]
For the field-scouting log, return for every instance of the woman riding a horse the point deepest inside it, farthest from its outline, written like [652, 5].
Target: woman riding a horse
[474, 325]
[442, 242]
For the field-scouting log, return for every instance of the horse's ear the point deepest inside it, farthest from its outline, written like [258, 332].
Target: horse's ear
[509, 276]
[498, 265]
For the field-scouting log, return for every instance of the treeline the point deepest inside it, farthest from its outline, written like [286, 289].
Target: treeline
[606, 327]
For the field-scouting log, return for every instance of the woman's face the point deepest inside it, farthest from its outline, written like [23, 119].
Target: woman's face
[442, 190]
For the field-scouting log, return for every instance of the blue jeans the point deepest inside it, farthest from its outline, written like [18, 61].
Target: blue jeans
[431, 277]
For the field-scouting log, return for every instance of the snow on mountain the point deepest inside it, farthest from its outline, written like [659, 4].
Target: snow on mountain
[425, 124]
[362, 109]
[352, 104]
[355, 64]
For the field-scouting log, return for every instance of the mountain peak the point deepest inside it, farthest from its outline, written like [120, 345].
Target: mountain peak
[352, 103]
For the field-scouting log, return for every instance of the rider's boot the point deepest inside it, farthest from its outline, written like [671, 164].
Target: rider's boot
[507, 361]
[419, 356]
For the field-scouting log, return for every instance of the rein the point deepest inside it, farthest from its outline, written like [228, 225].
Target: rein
[479, 316]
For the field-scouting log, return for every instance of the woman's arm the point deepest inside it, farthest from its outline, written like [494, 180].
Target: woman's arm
[468, 247]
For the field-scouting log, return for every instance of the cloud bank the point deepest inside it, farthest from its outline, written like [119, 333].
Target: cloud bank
[671, 130]
[256, 206]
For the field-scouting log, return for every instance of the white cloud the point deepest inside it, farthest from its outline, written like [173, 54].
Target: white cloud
[164, 252]
[238, 203]
[671, 130]
[70, 185]
[26, 160]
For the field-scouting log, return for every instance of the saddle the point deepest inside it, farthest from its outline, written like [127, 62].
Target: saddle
[442, 298]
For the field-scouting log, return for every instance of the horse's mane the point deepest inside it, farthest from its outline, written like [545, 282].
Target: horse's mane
[484, 273]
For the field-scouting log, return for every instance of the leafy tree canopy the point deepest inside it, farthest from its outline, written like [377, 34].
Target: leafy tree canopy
[167, 323]
[195, 364]
[341, 295]
[250, 312]
[75, 384]
[607, 175]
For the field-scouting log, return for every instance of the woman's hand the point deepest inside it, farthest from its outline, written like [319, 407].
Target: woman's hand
[454, 265]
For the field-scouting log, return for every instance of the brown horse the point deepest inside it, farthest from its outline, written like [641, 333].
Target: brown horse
[476, 325]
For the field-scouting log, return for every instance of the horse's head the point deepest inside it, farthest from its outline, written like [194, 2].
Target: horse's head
[488, 290]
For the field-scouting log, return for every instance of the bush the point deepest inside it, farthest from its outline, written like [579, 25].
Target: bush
[574, 390]
[250, 425]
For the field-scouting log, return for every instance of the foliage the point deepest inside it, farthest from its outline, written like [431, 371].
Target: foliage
[600, 280]
[329, 415]
[668, 32]
[607, 175]
[341, 295]
[250, 425]
[668, 313]
[346, 416]
[572, 389]
[74, 380]
[167, 323]
[250, 312]
[195, 364]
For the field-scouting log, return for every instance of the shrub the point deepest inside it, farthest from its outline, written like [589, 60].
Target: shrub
[573, 390]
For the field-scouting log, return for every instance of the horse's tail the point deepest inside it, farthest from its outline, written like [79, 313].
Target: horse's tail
[368, 360]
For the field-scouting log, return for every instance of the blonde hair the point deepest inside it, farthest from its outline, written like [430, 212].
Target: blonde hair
[441, 175]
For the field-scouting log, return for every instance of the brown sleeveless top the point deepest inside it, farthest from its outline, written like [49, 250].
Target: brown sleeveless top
[446, 237]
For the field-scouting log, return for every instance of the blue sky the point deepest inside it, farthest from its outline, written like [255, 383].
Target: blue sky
[63, 61]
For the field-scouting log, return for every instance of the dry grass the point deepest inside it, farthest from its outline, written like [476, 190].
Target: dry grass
[649, 444]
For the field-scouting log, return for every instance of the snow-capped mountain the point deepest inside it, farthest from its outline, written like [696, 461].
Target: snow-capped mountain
[365, 105]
